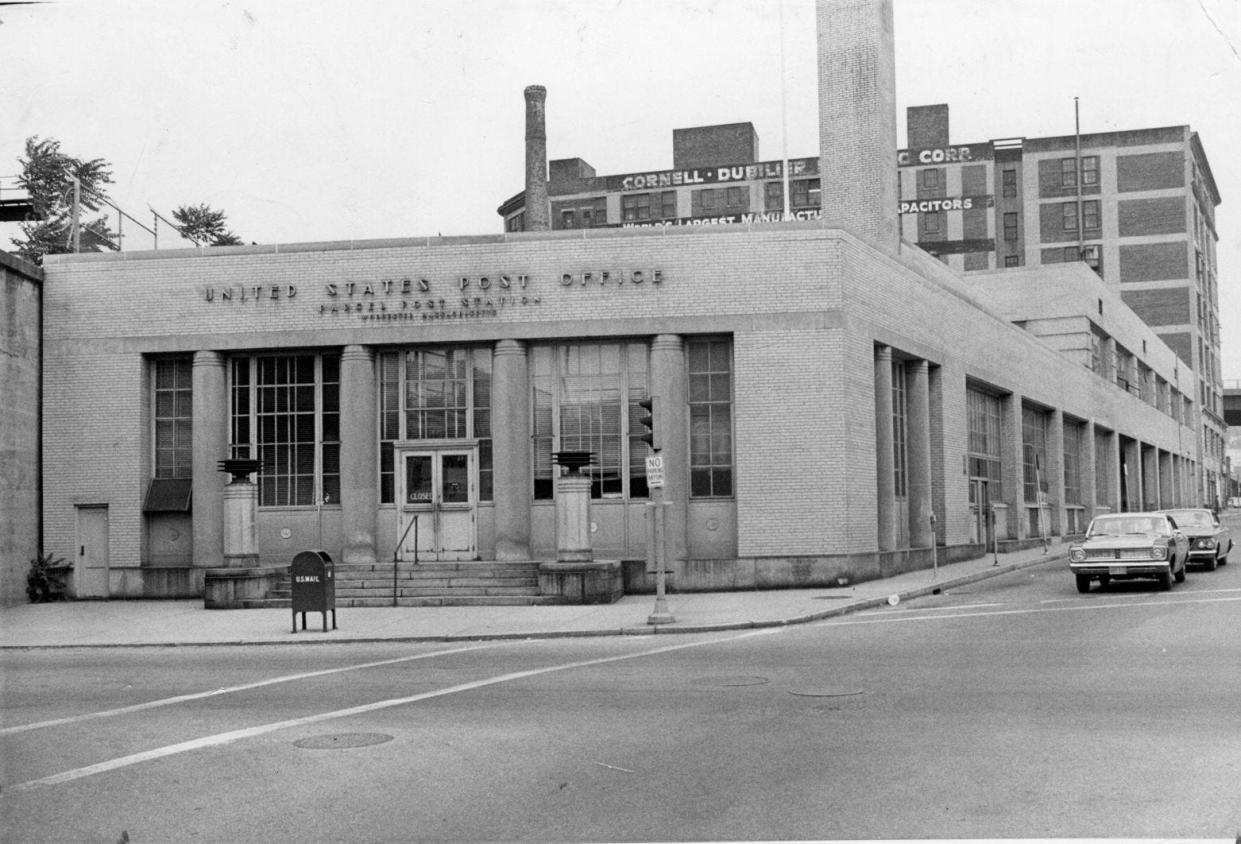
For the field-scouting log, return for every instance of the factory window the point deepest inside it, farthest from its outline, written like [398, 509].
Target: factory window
[1009, 178]
[930, 178]
[648, 206]
[804, 193]
[1089, 168]
[1090, 214]
[710, 417]
[715, 201]
[930, 222]
[286, 412]
[1012, 261]
[1010, 226]
[1068, 216]
[434, 394]
[516, 223]
[585, 398]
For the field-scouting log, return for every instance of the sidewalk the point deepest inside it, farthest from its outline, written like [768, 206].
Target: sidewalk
[187, 623]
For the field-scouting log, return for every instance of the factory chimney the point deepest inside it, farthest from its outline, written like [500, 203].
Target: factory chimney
[538, 212]
[857, 120]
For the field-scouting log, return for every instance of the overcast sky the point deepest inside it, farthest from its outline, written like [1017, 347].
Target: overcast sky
[317, 120]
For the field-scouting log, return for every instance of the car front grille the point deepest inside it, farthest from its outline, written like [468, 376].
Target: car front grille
[1104, 554]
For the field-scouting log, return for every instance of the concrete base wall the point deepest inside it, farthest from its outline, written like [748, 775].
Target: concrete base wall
[595, 582]
[806, 572]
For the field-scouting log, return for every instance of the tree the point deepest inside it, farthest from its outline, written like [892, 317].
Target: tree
[204, 225]
[48, 176]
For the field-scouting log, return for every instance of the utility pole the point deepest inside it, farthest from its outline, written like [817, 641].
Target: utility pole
[75, 230]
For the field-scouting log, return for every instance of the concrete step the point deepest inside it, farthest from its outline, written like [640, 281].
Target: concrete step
[434, 581]
[455, 601]
[433, 584]
[418, 592]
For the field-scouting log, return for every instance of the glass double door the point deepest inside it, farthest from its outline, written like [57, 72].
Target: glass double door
[438, 490]
[981, 526]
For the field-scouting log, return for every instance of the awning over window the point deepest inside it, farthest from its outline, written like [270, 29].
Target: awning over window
[168, 495]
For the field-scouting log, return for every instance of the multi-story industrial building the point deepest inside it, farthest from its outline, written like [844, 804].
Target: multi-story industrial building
[1136, 206]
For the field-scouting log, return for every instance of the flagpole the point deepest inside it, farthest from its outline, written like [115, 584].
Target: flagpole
[784, 118]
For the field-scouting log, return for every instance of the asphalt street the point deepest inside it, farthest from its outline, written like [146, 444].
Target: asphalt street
[1010, 707]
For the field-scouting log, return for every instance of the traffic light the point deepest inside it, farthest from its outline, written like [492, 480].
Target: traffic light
[646, 419]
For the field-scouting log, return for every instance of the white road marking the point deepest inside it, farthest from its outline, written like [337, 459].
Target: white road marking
[886, 617]
[288, 678]
[1105, 597]
[945, 609]
[262, 729]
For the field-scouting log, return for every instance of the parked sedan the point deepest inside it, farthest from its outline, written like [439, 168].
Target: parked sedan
[1209, 541]
[1122, 546]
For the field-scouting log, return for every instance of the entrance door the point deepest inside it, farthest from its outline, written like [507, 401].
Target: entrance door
[439, 490]
[92, 563]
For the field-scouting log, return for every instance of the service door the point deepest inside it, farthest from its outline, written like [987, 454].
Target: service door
[92, 562]
[438, 490]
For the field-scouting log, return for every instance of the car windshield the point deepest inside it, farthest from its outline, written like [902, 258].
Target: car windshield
[1122, 525]
[1193, 518]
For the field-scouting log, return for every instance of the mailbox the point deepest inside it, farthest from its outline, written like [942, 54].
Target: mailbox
[314, 586]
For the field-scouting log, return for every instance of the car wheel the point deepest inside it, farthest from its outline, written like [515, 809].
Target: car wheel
[1180, 575]
[1224, 559]
[1104, 580]
[1211, 564]
[1165, 581]
[1083, 583]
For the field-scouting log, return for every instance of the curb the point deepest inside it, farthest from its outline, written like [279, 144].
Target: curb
[644, 630]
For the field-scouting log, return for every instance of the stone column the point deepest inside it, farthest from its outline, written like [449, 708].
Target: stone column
[510, 437]
[885, 459]
[1085, 468]
[1166, 497]
[210, 446]
[1053, 472]
[670, 391]
[1013, 467]
[918, 448]
[359, 454]
[1111, 443]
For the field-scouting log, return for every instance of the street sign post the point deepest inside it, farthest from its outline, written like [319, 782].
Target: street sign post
[659, 551]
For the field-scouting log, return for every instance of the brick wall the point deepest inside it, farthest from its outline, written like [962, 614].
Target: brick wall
[1154, 215]
[1150, 171]
[1154, 261]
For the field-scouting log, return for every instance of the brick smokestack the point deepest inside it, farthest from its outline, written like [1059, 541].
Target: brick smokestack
[857, 120]
[538, 212]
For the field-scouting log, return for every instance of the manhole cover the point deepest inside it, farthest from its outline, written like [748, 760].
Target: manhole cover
[341, 741]
[827, 692]
[740, 680]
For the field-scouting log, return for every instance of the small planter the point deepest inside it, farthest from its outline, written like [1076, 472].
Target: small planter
[48, 579]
